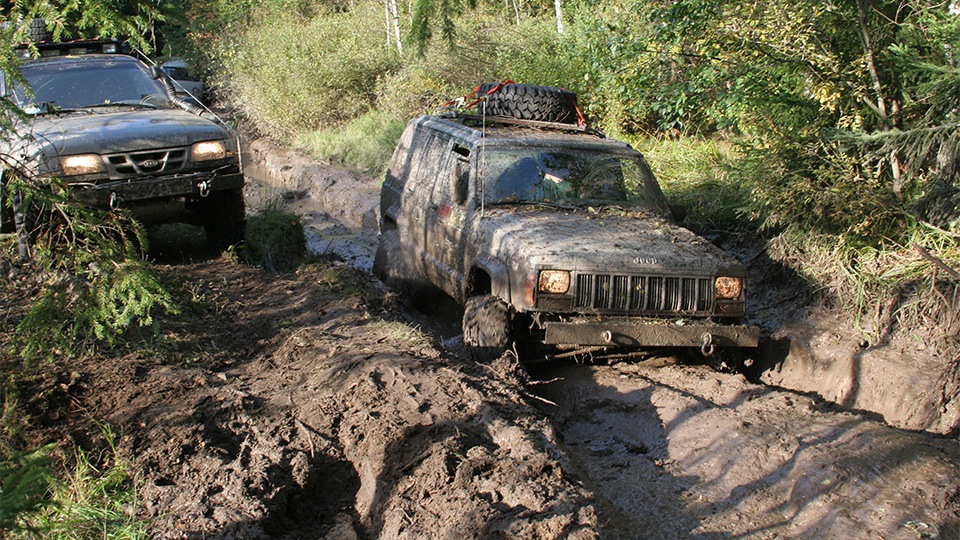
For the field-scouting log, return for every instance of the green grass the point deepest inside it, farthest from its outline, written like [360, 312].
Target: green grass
[275, 239]
[402, 334]
[697, 174]
[89, 503]
[366, 142]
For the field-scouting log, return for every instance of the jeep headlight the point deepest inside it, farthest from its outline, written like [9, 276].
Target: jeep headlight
[208, 150]
[554, 281]
[728, 288]
[81, 164]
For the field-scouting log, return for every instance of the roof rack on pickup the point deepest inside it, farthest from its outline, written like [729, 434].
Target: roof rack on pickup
[74, 47]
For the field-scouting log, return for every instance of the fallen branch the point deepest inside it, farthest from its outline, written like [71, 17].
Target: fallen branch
[936, 261]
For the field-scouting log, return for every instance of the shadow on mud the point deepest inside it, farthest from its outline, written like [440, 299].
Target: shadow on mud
[178, 243]
[681, 451]
[618, 446]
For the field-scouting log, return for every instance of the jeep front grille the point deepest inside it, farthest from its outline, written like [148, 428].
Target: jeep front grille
[147, 163]
[644, 293]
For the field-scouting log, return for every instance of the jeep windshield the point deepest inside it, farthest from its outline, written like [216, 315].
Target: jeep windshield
[62, 86]
[569, 177]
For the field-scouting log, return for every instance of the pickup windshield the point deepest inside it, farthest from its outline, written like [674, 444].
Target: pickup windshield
[570, 177]
[63, 85]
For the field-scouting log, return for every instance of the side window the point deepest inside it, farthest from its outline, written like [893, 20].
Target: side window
[452, 173]
[419, 178]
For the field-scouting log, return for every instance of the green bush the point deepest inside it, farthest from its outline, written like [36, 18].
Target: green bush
[93, 285]
[90, 504]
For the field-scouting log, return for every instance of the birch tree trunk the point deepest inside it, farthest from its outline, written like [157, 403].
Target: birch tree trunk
[396, 25]
[559, 9]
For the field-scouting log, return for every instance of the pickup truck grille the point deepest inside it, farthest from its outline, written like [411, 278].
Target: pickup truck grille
[147, 163]
[643, 293]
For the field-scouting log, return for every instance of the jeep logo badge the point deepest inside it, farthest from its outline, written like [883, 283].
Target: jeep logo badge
[645, 260]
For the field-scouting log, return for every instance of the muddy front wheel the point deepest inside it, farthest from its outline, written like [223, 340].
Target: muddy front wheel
[224, 218]
[486, 327]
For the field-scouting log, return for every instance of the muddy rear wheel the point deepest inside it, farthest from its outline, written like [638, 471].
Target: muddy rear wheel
[486, 327]
[6, 210]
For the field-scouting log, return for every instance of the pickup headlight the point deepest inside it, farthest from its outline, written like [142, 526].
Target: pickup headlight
[554, 281]
[81, 164]
[208, 150]
[728, 288]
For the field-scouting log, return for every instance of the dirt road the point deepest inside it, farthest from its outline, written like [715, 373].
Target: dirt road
[311, 406]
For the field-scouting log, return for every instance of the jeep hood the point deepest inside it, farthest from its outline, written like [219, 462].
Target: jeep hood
[585, 242]
[124, 131]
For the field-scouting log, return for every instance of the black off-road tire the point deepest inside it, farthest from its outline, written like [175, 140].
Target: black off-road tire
[37, 30]
[530, 102]
[486, 327]
[225, 218]
[387, 246]
[7, 224]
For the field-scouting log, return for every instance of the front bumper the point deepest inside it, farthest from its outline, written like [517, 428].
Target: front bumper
[115, 194]
[649, 334]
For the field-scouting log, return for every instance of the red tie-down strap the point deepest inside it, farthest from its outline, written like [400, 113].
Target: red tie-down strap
[474, 93]
[581, 120]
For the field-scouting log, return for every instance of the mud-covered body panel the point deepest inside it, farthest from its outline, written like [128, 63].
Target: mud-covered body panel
[586, 272]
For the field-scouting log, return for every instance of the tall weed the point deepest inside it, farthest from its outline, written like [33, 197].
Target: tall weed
[366, 142]
[295, 73]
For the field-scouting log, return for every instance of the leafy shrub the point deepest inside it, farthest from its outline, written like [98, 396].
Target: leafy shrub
[91, 503]
[92, 283]
[26, 480]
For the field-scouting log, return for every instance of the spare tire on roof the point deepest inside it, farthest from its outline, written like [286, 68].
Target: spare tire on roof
[37, 30]
[529, 102]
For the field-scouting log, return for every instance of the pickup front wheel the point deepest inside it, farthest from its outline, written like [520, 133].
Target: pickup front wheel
[486, 327]
[224, 218]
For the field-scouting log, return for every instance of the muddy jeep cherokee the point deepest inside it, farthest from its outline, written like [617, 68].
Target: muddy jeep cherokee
[558, 235]
[113, 130]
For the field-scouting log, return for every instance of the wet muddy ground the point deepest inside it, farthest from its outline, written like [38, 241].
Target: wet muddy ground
[319, 404]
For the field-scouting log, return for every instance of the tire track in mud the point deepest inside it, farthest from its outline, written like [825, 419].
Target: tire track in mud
[682, 451]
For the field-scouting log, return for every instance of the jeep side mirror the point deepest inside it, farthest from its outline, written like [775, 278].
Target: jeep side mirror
[459, 183]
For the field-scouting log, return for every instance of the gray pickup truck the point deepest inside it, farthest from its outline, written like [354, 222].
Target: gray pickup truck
[114, 131]
[549, 233]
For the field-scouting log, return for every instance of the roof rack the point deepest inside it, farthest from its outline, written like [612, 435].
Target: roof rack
[74, 47]
[509, 120]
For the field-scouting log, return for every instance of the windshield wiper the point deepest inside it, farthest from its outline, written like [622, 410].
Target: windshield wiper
[137, 105]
